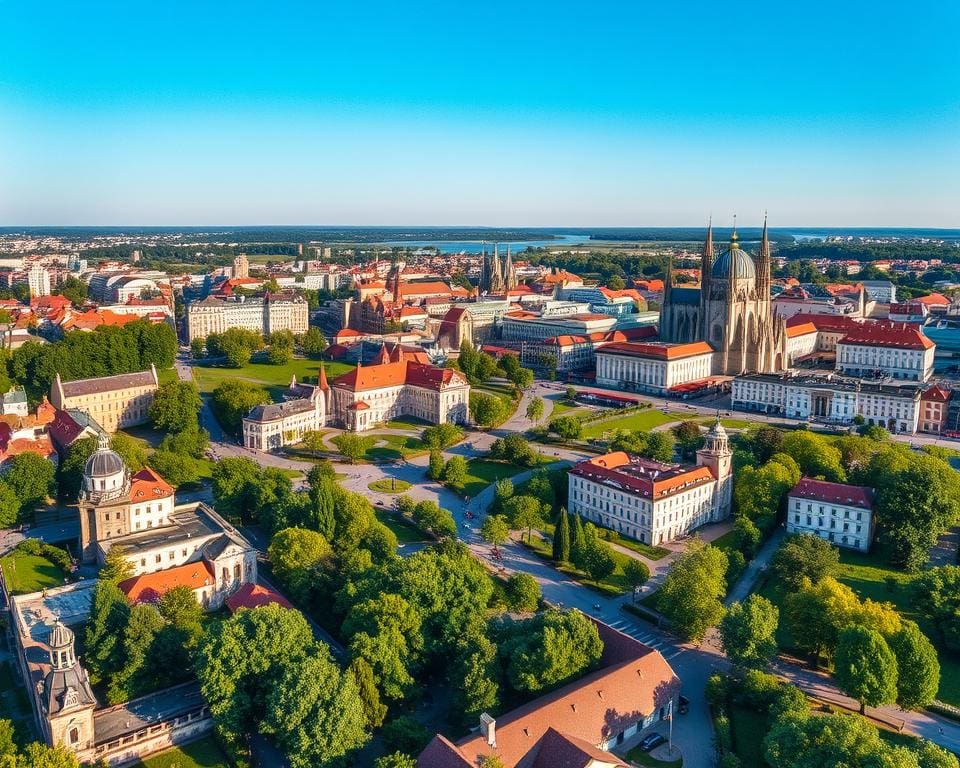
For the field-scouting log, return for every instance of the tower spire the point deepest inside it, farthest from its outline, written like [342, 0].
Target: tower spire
[763, 263]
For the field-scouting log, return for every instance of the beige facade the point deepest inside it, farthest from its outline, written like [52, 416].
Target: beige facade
[274, 425]
[263, 316]
[653, 367]
[114, 402]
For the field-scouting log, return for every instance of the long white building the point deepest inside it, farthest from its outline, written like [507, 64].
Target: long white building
[829, 399]
[653, 502]
[842, 514]
[898, 351]
[653, 366]
[263, 316]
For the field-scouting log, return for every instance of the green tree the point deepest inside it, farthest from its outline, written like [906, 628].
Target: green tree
[352, 447]
[524, 512]
[9, 506]
[435, 465]
[31, 478]
[280, 351]
[179, 607]
[455, 471]
[814, 741]
[107, 621]
[429, 516]
[296, 555]
[535, 410]
[476, 674]
[865, 667]
[485, 410]
[233, 399]
[175, 406]
[523, 593]
[324, 517]
[234, 485]
[495, 529]
[688, 436]
[597, 562]
[72, 288]
[374, 710]
[198, 348]
[136, 676]
[936, 595]
[177, 469]
[549, 649]
[660, 446]
[805, 556]
[918, 668]
[566, 427]
[313, 343]
[691, 596]
[561, 537]
[116, 566]
[577, 540]
[748, 632]
[405, 734]
[635, 573]
[132, 451]
[571, 394]
[616, 283]
[395, 760]
[441, 436]
[746, 536]
[816, 456]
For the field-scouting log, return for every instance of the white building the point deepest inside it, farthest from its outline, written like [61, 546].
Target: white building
[274, 425]
[882, 291]
[899, 351]
[521, 325]
[653, 366]
[372, 394]
[841, 514]
[263, 316]
[38, 279]
[829, 399]
[653, 502]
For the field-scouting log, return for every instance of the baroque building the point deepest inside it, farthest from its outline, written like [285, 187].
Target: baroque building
[731, 310]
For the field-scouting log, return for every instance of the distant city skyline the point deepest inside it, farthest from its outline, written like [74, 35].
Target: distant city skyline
[504, 115]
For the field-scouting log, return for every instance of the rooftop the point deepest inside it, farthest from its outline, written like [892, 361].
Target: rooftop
[835, 493]
[657, 349]
[640, 476]
[898, 335]
[82, 387]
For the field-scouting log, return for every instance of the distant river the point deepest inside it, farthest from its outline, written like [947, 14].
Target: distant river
[476, 246]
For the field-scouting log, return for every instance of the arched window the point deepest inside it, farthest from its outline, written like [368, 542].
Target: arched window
[236, 572]
[74, 735]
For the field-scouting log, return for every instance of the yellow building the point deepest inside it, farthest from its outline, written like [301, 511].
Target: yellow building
[114, 402]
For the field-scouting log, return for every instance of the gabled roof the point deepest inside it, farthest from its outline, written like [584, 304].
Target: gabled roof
[365, 378]
[936, 394]
[146, 485]
[150, 587]
[898, 335]
[800, 330]
[658, 350]
[254, 596]
[934, 299]
[835, 493]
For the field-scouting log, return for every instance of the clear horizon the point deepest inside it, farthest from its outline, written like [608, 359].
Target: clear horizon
[618, 115]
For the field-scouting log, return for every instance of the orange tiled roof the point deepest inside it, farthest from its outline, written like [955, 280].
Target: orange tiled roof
[150, 587]
[934, 299]
[147, 484]
[253, 596]
[800, 330]
[888, 335]
[94, 318]
[661, 350]
[365, 378]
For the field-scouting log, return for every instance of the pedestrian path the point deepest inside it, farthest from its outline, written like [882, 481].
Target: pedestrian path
[651, 639]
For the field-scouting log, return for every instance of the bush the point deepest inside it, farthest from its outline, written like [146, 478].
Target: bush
[721, 724]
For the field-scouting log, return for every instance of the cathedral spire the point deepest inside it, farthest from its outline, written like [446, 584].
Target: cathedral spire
[763, 264]
[668, 281]
[706, 260]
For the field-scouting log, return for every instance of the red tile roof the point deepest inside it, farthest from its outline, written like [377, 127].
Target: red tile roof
[253, 596]
[146, 485]
[365, 378]
[150, 587]
[644, 477]
[936, 394]
[800, 330]
[934, 299]
[660, 350]
[900, 335]
[835, 493]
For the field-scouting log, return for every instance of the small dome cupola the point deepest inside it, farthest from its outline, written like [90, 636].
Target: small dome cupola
[104, 475]
[61, 647]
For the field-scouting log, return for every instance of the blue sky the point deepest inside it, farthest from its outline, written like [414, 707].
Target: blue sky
[525, 113]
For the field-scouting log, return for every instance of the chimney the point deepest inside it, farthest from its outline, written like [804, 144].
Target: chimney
[488, 727]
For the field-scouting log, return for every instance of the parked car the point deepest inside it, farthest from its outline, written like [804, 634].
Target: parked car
[650, 742]
[683, 705]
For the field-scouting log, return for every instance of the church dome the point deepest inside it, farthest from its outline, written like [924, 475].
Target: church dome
[103, 463]
[61, 636]
[736, 261]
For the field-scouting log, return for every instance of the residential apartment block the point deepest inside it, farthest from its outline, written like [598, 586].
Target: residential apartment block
[842, 514]
[113, 402]
[898, 351]
[263, 316]
[653, 502]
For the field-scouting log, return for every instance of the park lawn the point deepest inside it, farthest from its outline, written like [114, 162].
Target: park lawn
[275, 377]
[612, 586]
[407, 422]
[638, 757]
[563, 407]
[205, 753]
[729, 423]
[405, 532]
[389, 485]
[646, 420]
[166, 375]
[649, 552]
[482, 472]
[393, 447]
[748, 727]
[24, 574]
[724, 543]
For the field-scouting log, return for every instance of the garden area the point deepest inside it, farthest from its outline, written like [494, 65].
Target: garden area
[273, 377]
[406, 532]
[483, 472]
[205, 753]
[643, 420]
[30, 567]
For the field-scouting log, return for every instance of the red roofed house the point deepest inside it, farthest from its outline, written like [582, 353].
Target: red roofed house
[575, 726]
[897, 350]
[650, 501]
[842, 514]
[372, 394]
[653, 366]
[934, 407]
[255, 595]
[28, 434]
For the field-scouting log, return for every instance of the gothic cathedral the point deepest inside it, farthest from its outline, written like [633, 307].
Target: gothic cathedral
[731, 310]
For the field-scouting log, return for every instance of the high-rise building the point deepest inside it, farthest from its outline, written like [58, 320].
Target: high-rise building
[241, 266]
[38, 279]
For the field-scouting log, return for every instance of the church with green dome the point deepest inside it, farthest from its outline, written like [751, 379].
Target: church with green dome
[731, 310]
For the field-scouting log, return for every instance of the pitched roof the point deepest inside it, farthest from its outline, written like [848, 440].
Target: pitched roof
[835, 323]
[934, 299]
[801, 329]
[150, 587]
[659, 350]
[835, 493]
[365, 378]
[634, 680]
[899, 335]
[936, 393]
[645, 477]
[147, 484]
[255, 595]
[108, 383]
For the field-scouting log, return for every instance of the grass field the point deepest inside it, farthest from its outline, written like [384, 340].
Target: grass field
[404, 531]
[651, 553]
[748, 728]
[29, 573]
[393, 447]
[482, 472]
[638, 757]
[613, 585]
[166, 375]
[205, 753]
[639, 420]
[729, 423]
[389, 485]
[274, 377]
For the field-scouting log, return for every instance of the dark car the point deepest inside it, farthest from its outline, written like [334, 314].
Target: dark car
[651, 742]
[683, 705]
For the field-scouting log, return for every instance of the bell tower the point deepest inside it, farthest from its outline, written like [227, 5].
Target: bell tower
[68, 701]
[718, 458]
